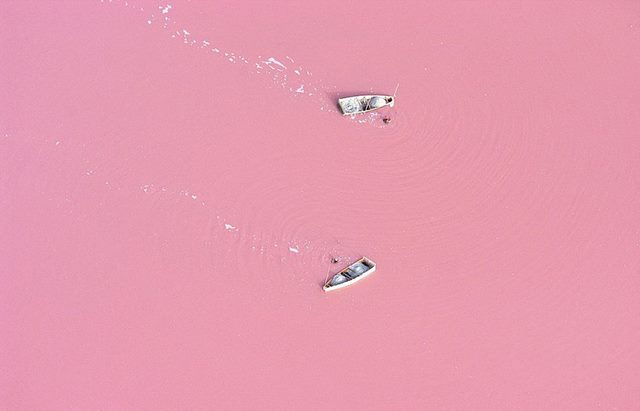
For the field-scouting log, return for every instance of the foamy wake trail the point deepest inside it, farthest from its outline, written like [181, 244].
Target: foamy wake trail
[282, 71]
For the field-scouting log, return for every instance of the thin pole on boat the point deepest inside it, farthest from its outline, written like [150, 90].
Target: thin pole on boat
[331, 255]
[327, 277]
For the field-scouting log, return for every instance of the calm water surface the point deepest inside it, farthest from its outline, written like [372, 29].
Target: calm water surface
[175, 178]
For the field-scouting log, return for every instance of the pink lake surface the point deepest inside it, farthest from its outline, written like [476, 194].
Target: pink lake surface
[175, 178]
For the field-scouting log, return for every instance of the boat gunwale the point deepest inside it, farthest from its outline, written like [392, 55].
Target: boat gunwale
[389, 101]
[328, 287]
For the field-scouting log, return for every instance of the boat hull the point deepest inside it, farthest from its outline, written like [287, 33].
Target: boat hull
[371, 268]
[364, 104]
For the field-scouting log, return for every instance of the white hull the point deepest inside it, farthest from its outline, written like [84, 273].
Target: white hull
[364, 104]
[349, 272]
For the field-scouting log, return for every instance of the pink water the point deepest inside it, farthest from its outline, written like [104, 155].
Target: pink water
[175, 178]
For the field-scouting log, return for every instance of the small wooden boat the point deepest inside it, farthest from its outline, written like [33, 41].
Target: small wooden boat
[351, 275]
[363, 104]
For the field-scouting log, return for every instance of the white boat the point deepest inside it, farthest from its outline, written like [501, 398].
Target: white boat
[351, 275]
[363, 104]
